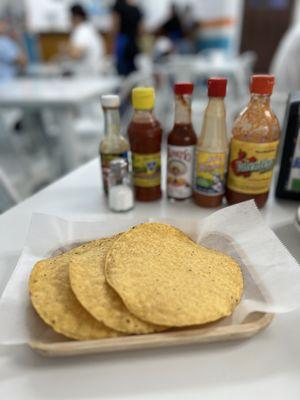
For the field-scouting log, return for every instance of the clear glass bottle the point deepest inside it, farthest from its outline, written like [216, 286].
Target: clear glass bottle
[120, 189]
[181, 146]
[254, 144]
[212, 148]
[114, 145]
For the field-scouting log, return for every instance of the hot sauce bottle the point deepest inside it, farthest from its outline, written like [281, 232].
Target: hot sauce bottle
[114, 145]
[254, 144]
[212, 148]
[145, 135]
[181, 146]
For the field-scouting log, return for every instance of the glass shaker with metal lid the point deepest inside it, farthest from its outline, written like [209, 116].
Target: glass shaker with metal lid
[120, 189]
[114, 145]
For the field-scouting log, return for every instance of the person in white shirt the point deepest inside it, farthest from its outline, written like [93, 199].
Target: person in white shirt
[86, 46]
[286, 62]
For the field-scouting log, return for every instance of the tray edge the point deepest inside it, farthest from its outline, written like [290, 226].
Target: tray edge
[163, 339]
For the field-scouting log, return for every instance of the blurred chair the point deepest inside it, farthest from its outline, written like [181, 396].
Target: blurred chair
[278, 104]
[141, 77]
[247, 62]
[88, 133]
[8, 195]
[197, 68]
[26, 167]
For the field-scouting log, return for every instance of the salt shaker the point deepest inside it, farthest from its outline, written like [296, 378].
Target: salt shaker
[120, 189]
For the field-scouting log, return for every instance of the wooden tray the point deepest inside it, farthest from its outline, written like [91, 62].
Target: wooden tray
[213, 333]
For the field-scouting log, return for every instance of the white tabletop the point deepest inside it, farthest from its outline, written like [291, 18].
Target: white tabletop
[225, 67]
[29, 92]
[266, 366]
[199, 64]
[45, 70]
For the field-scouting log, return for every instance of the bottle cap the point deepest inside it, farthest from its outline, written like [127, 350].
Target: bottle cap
[110, 101]
[143, 98]
[183, 88]
[262, 84]
[216, 87]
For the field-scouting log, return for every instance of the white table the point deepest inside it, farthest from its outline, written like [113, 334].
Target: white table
[44, 70]
[200, 67]
[59, 95]
[265, 367]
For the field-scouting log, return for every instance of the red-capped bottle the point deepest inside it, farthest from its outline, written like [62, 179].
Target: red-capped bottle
[181, 145]
[254, 144]
[212, 148]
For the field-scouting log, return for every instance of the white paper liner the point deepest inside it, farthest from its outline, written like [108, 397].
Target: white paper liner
[271, 274]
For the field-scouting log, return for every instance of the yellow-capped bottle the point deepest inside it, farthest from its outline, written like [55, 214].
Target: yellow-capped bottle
[145, 134]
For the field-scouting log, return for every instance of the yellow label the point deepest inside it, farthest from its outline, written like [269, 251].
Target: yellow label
[210, 173]
[251, 166]
[146, 169]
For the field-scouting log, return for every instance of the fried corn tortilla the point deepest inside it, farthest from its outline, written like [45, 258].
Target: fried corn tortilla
[54, 301]
[167, 279]
[88, 283]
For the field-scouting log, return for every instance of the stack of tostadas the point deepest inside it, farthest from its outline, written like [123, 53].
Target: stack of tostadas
[151, 278]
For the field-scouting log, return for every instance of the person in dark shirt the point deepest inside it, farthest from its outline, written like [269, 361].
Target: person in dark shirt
[127, 22]
[172, 28]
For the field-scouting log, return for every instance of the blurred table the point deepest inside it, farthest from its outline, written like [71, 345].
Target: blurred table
[232, 68]
[62, 96]
[31, 93]
[242, 370]
[44, 70]
[199, 67]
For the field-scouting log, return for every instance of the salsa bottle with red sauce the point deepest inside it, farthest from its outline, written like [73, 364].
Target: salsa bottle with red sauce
[145, 135]
[254, 144]
[181, 146]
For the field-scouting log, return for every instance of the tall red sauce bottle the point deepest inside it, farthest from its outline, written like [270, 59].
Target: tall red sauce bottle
[181, 146]
[145, 135]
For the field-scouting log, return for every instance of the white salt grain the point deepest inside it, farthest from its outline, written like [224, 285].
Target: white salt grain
[120, 198]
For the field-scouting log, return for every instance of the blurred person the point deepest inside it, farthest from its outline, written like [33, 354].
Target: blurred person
[12, 58]
[86, 46]
[127, 25]
[189, 28]
[173, 28]
[189, 23]
[163, 47]
[286, 62]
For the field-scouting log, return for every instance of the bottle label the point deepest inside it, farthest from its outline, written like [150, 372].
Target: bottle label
[146, 169]
[210, 173]
[180, 171]
[251, 166]
[105, 159]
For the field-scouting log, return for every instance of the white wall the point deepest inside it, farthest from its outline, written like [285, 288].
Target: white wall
[157, 10]
[53, 15]
[46, 15]
[296, 18]
[216, 8]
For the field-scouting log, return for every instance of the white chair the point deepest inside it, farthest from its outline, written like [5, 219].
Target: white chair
[27, 167]
[8, 194]
[137, 78]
